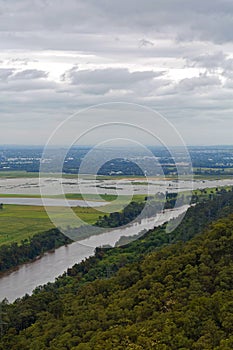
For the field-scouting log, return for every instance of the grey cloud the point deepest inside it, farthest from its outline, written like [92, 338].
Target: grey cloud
[203, 81]
[228, 68]
[30, 74]
[26, 80]
[145, 42]
[5, 73]
[27, 86]
[100, 81]
[186, 20]
[213, 62]
[208, 60]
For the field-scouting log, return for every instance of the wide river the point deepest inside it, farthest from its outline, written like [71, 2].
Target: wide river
[28, 276]
[56, 186]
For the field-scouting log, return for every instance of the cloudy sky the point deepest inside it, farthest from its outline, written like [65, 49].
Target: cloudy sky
[58, 57]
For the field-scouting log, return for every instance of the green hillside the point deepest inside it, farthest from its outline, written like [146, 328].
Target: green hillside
[155, 293]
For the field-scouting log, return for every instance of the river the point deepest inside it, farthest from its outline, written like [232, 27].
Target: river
[48, 186]
[28, 276]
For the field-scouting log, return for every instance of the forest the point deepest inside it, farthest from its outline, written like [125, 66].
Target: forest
[163, 291]
[14, 254]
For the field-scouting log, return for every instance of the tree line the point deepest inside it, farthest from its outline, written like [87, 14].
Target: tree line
[14, 254]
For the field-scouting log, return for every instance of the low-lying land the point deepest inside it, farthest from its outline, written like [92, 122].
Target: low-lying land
[19, 222]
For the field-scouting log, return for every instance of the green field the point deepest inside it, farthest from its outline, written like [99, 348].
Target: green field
[77, 196]
[18, 222]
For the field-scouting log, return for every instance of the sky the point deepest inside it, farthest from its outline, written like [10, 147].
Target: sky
[60, 57]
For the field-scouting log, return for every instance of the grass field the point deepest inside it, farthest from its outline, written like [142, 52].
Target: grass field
[18, 222]
[77, 196]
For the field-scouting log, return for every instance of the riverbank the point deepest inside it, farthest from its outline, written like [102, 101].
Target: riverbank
[51, 265]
